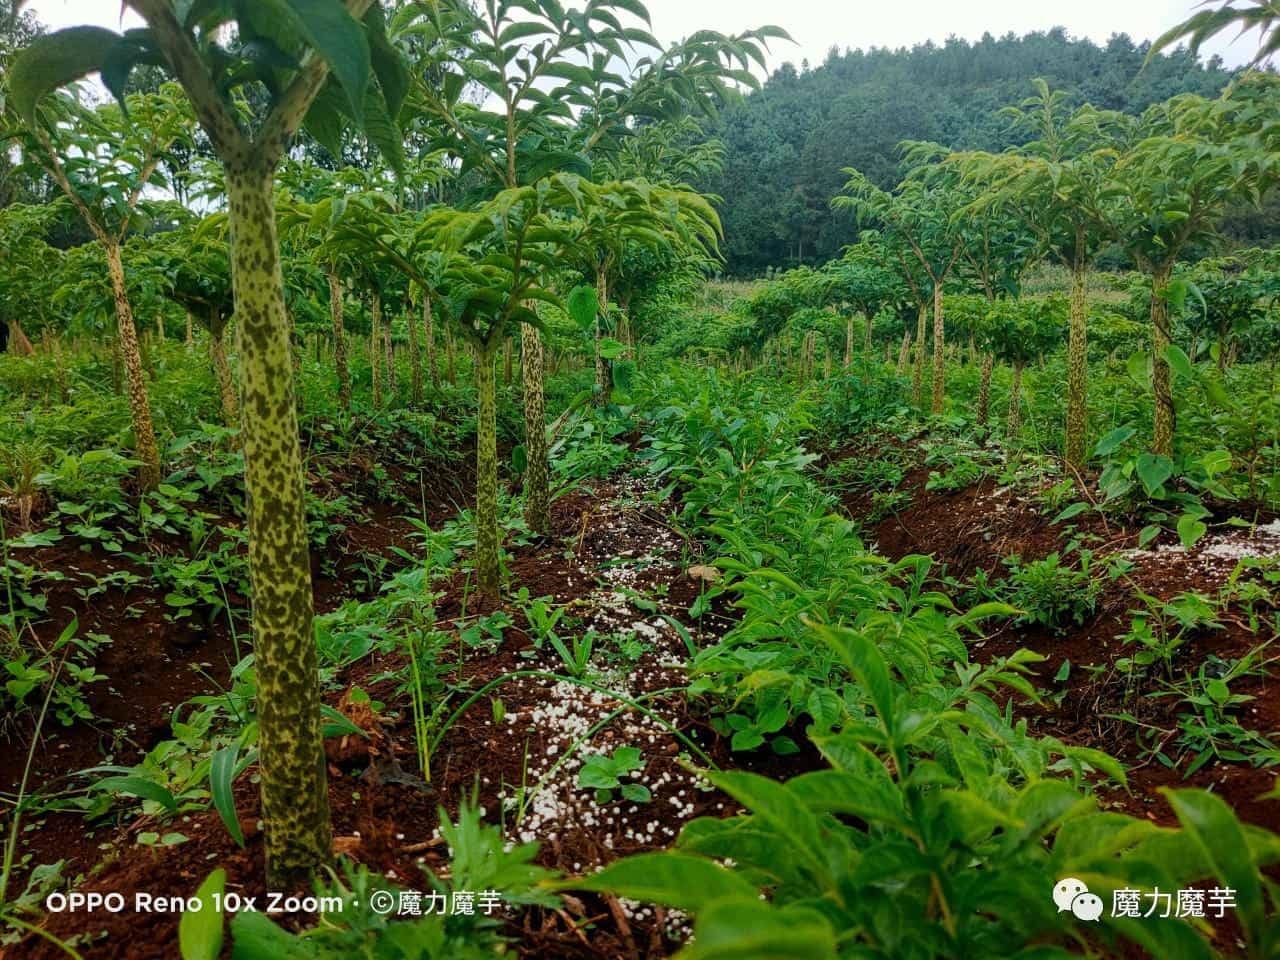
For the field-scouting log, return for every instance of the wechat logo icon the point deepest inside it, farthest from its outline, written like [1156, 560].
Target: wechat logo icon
[1072, 894]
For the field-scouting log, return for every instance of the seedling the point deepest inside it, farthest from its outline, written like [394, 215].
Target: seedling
[606, 774]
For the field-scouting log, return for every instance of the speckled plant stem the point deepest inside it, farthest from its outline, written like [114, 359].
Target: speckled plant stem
[487, 570]
[939, 351]
[984, 389]
[144, 434]
[917, 372]
[339, 340]
[1077, 372]
[1161, 374]
[295, 804]
[222, 369]
[537, 479]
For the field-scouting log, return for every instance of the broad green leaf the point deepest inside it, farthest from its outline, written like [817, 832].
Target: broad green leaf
[1113, 441]
[1139, 367]
[324, 118]
[582, 306]
[742, 929]
[200, 931]
[254, 937]
[1153, 470]
[1102, 762]
[670, 878]
[834, 791]
[1190, 530]
[381, 130]
[1177, 358]
[612, 349]
[388, 66]
[777, 806]
[54, 60]
[1208, 819]
[330, 29]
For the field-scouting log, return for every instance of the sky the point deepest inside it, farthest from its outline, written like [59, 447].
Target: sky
[818, 24]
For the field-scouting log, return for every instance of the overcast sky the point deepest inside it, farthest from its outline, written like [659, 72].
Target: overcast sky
[818, 24]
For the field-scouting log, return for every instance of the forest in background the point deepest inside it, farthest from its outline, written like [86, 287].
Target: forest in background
[785, 145]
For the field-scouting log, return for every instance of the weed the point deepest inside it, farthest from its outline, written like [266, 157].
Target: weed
[604, 774]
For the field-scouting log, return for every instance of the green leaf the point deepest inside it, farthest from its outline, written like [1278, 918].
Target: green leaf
[595, 776]
[1102, 762]
[582, 306]
[1177, 358]
[139, 787]
[381, 130]
[784, 746]
[200, 931]
[871, 798]
[1074, 510]
[388, 66]
[334, 34]
[1139, 367]
[612, 349]
[338, 725]
[1190, 530]
[1215, 462]
[1215, 829]
[1153, 470]
[54, 60]
[222, 772]
[755, 930]
[254, 937]
[636, 793]
[1113, 441]
[779, 807]
[1218, 690]
[867, 663]
[324, 118]
[670, 878]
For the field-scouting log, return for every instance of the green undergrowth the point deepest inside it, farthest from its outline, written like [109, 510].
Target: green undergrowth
[937, 823]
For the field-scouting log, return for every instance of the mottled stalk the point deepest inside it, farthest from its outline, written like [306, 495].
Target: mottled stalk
[604, 374]
[1077, 372]
[393, 385]
[429, 334]
[295, 798]
[339, 339]
[222, 369]
[450, 366]
[144, 434]
[487, 570]
[939, 351]
[1161, 374]
[537, 478]
[917, 372]
[375, 348]
[984, 389]
[1015, 402]
[415, 361]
